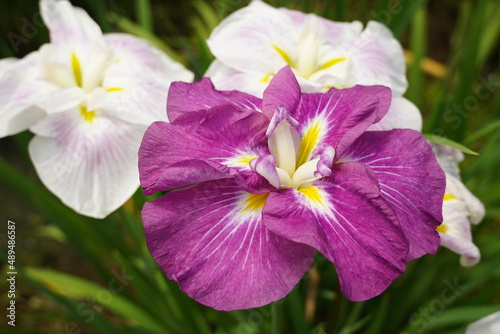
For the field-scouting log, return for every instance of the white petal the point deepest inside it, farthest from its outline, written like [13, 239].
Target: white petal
[448, 158]
[91, 167]
[68, 24]
[139, 79]
[135, 94]
[257, 37]
[377, 59]
[18, 87]
[402, 114]
[487, 325]
[130, 48]
[474, 206]
[227, 78]
[470, 254]
[60, 100]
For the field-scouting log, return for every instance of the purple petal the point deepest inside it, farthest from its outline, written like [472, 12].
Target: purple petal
[201, 146]
[338, 117]
[410, 179]
[184, 97]
[283, 91]
[210, 239]
[346, 219]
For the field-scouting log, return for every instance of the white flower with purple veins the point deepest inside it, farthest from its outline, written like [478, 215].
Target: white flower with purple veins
[254, 43]
[460, 208]
[88, 98]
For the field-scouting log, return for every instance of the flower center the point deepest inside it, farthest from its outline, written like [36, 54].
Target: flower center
[65, 68]
[294, 165]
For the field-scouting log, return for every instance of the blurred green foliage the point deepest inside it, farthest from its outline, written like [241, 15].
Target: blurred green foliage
[81, 275]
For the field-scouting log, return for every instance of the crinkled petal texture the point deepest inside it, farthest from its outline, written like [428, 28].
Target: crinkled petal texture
[211, 240]
[252, 44]
[411, 181]
[184, 97]
[204, 145]
[345, 217]
[273, 180]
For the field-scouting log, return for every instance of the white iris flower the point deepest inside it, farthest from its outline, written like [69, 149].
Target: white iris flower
[88, 98]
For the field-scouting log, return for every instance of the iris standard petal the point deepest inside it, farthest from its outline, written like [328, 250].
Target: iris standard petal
[410, 180]
[68, 24]
[345, 217]
[90, 166]
[201, 146]
[185, 97]
[210, 239]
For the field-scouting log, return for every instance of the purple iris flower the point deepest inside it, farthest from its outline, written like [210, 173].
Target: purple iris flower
[267, 182]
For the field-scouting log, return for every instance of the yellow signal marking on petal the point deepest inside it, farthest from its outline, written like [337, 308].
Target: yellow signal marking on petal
[447, 197]
[442, 228]
[309, 141]
[313, 194]
[267, 78]
[77, 70]
[114, 89]
[330, 63]
[87, 115]
[283, 54]
[254, 202]
[245, 160]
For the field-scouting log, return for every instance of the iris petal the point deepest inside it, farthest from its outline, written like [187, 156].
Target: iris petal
[211, 240]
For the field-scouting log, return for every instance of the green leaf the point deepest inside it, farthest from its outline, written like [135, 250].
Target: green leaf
[461, 315]
[144, 17]
[79, 288]
[448, 142]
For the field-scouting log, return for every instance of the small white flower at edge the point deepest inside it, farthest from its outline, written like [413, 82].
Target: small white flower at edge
[460, 208]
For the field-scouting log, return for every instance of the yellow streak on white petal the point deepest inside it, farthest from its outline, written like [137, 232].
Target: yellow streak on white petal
[310, 139]
[283, 55]
[77, 69]
[314, 195]
[330, 63]
[267, 78]
[114, 89]
[87, 115]
[448, 197]
[254, 203]
[442, 228]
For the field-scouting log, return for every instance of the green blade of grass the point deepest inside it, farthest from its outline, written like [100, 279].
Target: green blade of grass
[448, 142]
[78, 288]
[144, 15]
[418, 46]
